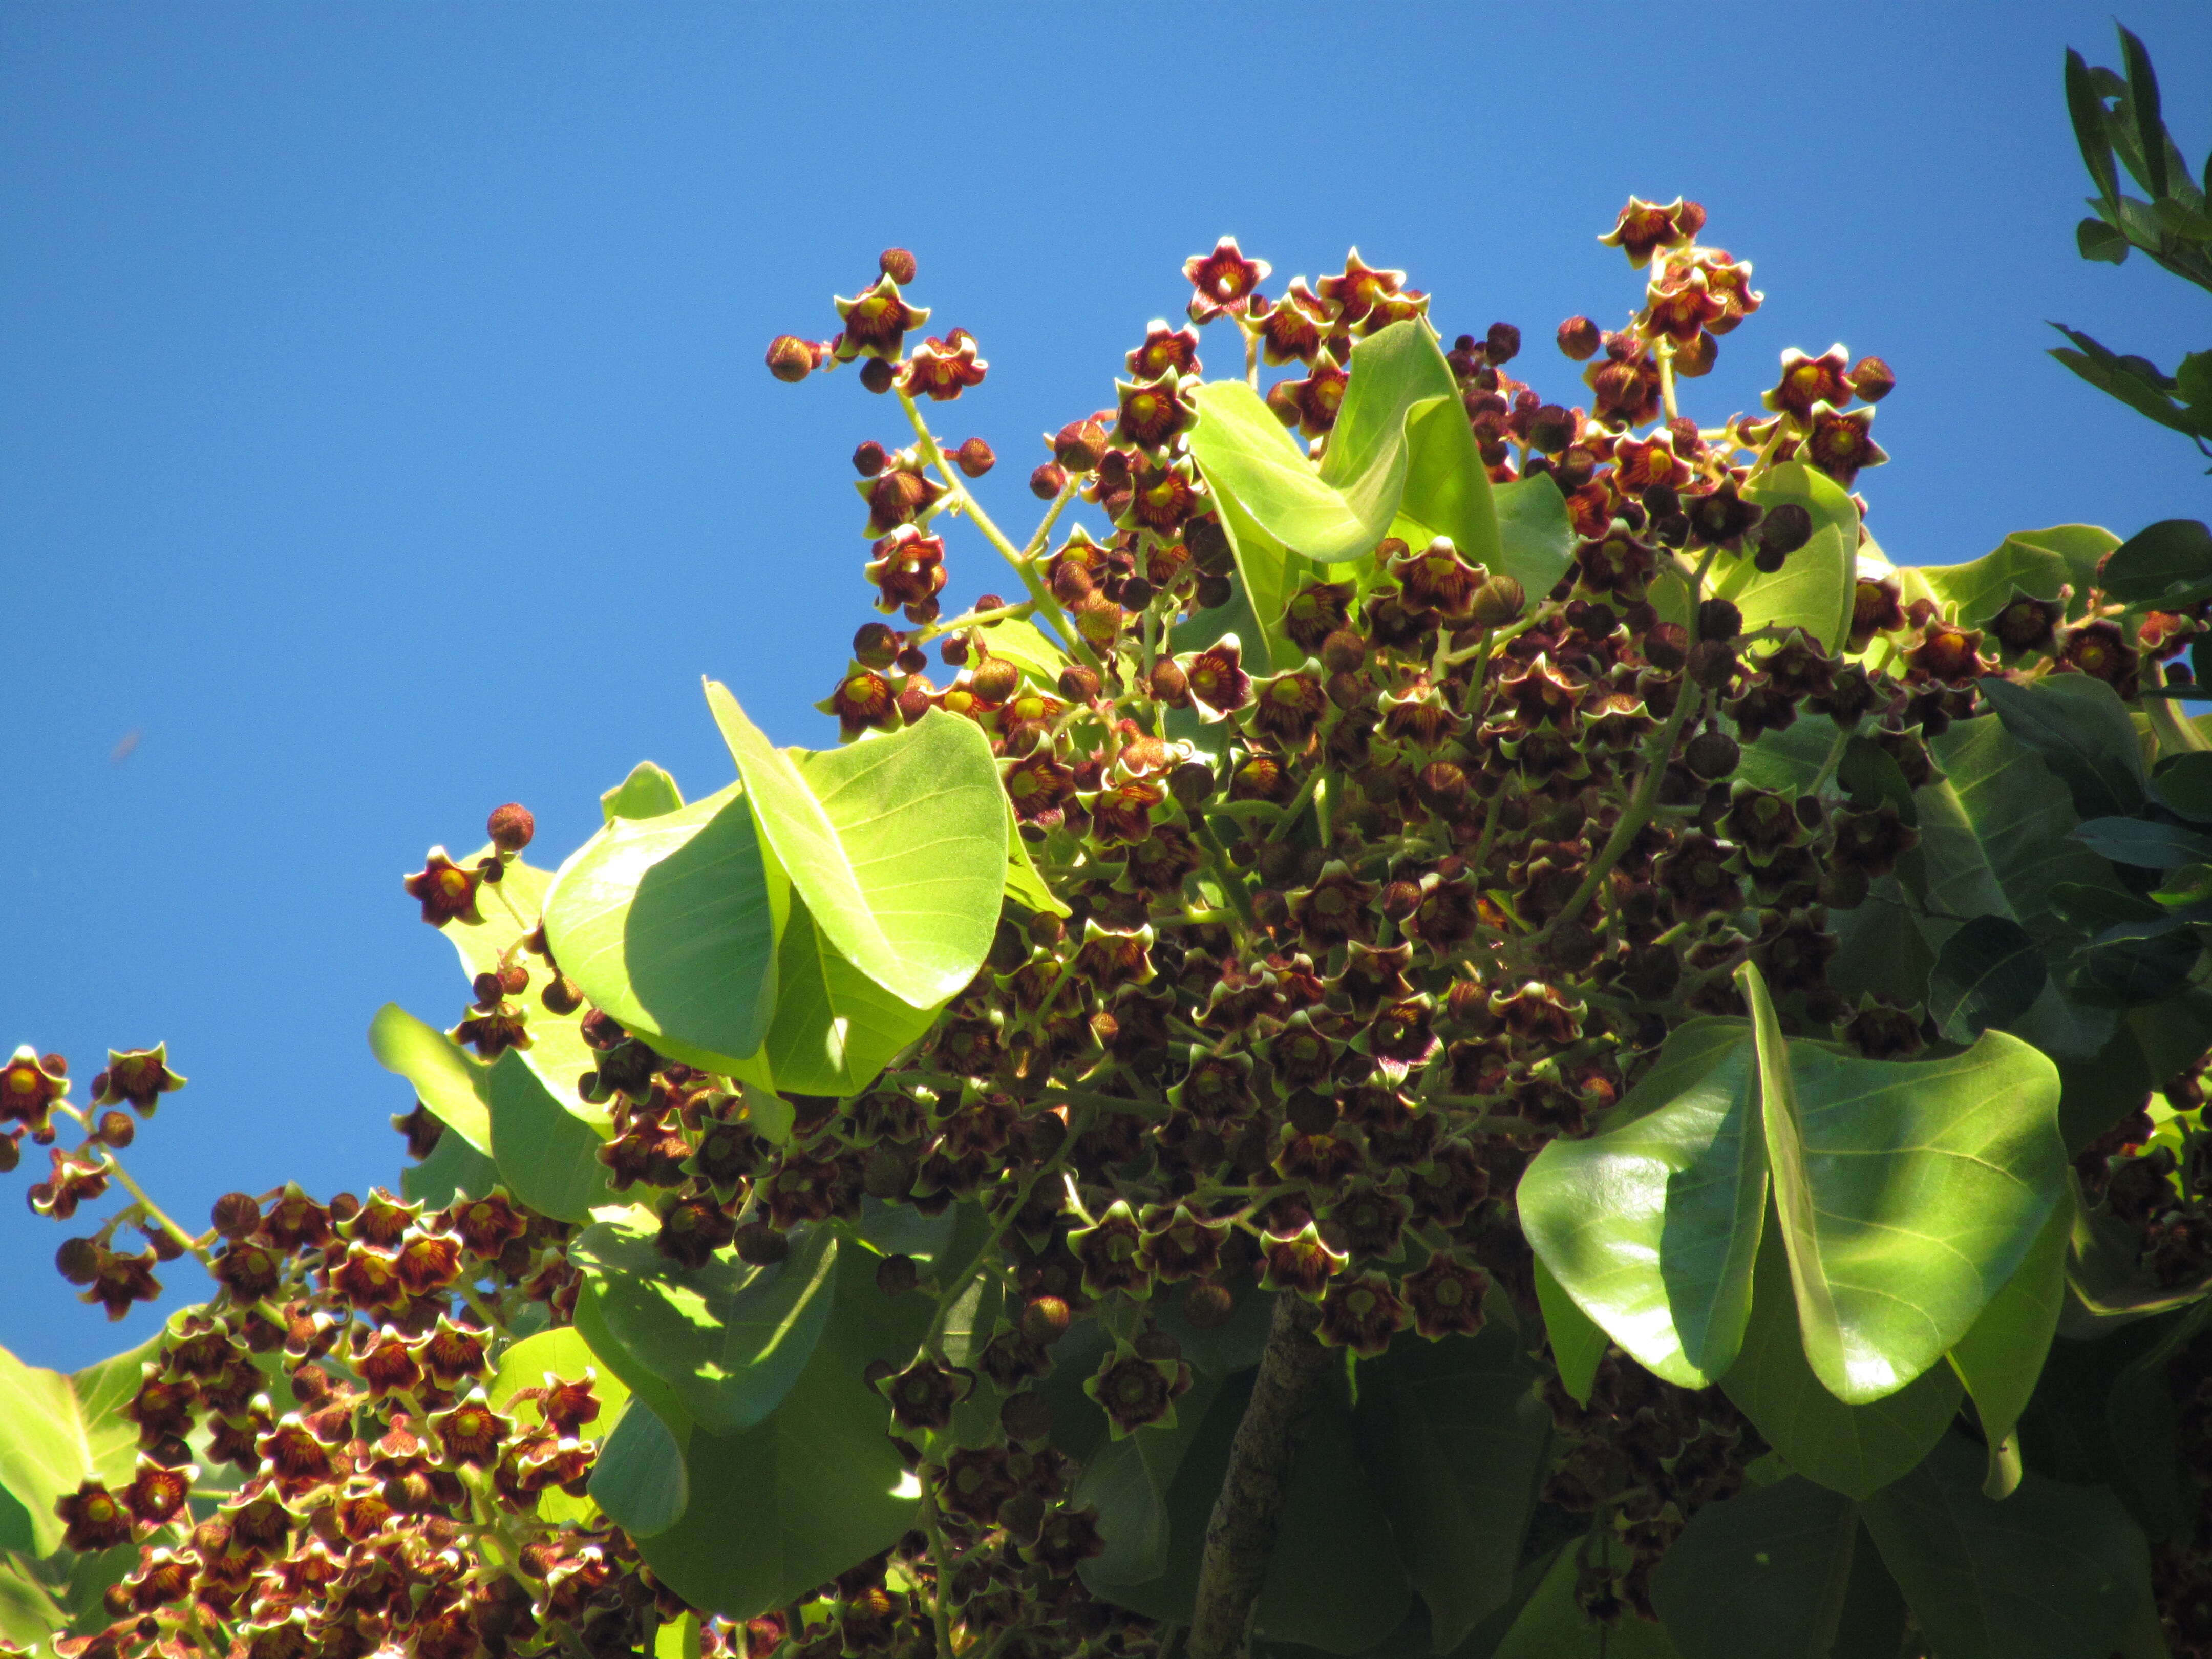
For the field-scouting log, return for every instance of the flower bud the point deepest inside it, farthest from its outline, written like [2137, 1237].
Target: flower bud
[236, 1215]
[912, 660]
[1785, 529]
[877, 375]
[511, 827]
[1046, 1319]
[1719, 619]
[1400, 899]
[887, 1172]
[78, 1260]
[1078, 683]
[1025, 1416]
[995, 680]
[1667, 646]
[870, 458]
[896, 264]
[1206, 1306]
[560, 997]
[1192, 784]
[760, 1245]
[1579, 338]
[789, 359]
[877, 645]
[1712, 755]
[1048, 481]
[1080, 445]
[973, 459]
[1503, 343]
[11, 1154]
[1498, 602]
[896, 1274]
[1047, 929]
[1551, 428]
[1872, 380]
[1213, 592]
[116, 1129]
[1713, 664]
[1071, 581]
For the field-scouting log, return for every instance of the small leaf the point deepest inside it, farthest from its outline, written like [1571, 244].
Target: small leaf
[1816, 586]
[2086, 110]
[445, 1078]
[2095, 240]
[646, 792]
[2144, 844]
[2000, 1359]
[728, 1338]
[2144, 110]
[1535, 534]
[2053, 1572]
[1871, 775]
[2184, 782]
[1989, 973]
[2166, 562]
[1577, 1345]
[548, 1156]
[1760, 1576]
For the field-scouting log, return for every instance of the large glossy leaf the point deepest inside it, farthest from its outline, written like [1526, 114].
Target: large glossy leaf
[2167, 563]
[61, 1430]
[639, 1481]
[788, 1504]
[1855, 1449]
[2036, 563]
[1268, 575]
[1447, 486]
[1909, 1192]
[453, 1168]
[1578, 1344]
[1760, 1576]
[1816, 586]
[548, 1155]
[2080, 728]
[2001, 1356]
[1988, 973]
[2053, 1572]
[669, 924]
[557, 1053]
[445, 1079]
[1652, 1228]
[834, 1027]
[1535, 535]
[896, 846]
[1245, 454]
[729, 1340]
[1458, 1438]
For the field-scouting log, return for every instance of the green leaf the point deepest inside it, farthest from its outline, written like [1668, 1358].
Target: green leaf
[1269, 576]
[560, 1354]
[1246, 454]
[548, 1156]
[63, 1431]
[445, 1078]
[2095, 240]
[2184, 782]
[1458, 1439]
[2121, 377]
[2142, 111]
[1021, 643]
[1577, 1345]
[1816, 586]
[1535, 535]
[2086, 111]
[836, 1027]
[1652, 1228]
[1854, 1450]
[2144, 844]
[1760, 1576]
[1024, 884]
[1128, 1481]
[453, 1168]
[1871, 775]
[669, 924]
[1447, 486]
[1909, 1192]
[1553, 1625]
[2081, 729]
[2000, 1359]
[646, 792]
[788, 1504]
[639, 1481]
[2053, 1572]
[1989, 973]
[728, 1338]
[558, 1055]
[896, 845]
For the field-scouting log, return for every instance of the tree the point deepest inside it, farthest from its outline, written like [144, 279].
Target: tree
[1475, 1031]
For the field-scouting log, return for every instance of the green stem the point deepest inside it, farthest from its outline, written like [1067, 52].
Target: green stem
[154, 1211]
[2175, 736]
[1297, 804]
[941, 1604]
[1217, 857]
[962, 1279]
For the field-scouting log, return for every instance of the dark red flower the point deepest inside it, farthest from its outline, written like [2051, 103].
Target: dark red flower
[943, 369]
[876, 323]
[1362, 1313]
[1808, 381]
[1645, 228]
[446, 890]
[1223, 278]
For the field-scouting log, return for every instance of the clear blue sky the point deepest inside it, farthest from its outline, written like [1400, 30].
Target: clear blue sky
[384, 435]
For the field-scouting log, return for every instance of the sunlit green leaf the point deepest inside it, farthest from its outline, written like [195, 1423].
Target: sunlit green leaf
[1577, 1344]
[63, 1430]
[1535, 535]
[728, 1338]
[548, 1155]
[896, 845]
[646, 792]
[2036, 563]
[1447, 486]
[454, 1167]
[1816, 586]
[557, 1355]
[445, 1078]
[836, 1027]
[669, 925]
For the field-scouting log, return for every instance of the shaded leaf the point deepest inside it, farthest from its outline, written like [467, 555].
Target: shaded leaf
[1447, 486]
[1535, 535]
[2081, 729]
[1024, 884]
[1816, 586]
[2144, 843]
[2000, 1359]
[728, 1338]
[1577, 1345]
[1128, 1481]
[1990, 972]
[453, 1168]
[1553, 1625]
[1763, 1575]
[836, 1027]
[2053, 1572]
[445, 1078]
[548, 1156]
[639, 1481]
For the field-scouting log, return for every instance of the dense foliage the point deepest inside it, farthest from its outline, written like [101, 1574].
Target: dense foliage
[1468, 1029]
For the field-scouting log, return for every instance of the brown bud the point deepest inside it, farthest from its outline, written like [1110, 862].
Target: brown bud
[1170, 685]
[1712, 755]
[870, 458]
[1499, 601]
[973, 459]
[561, 996]
[1048, 481]
[78, 1260]
[1719, 619]
[896, 1274]
[1080, 445]
[1400, 899]
[1667, 646]
[1071, 582]
[877, 645]
[1078, 683]
[887, 1172]
[897, 263]
[1503, 343]
[116, 1129]
[11, 1154]
[1206, 1306]
[1579, 338]
[1784, 528]
[995, 680]
[789, 359]
[877, 375]
[760, 1245]
[1343, 652]
[1713, 664]
[1192, 784]
[1211, 592]
[1551, 429]
[1025, 1416]
[1046, 1319]
[236, 1215]
[1872, 380]
[511, 827]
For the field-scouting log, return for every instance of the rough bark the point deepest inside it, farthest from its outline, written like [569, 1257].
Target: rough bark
[1241, 1535]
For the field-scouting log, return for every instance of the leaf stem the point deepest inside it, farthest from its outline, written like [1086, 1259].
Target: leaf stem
[155, 1211]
